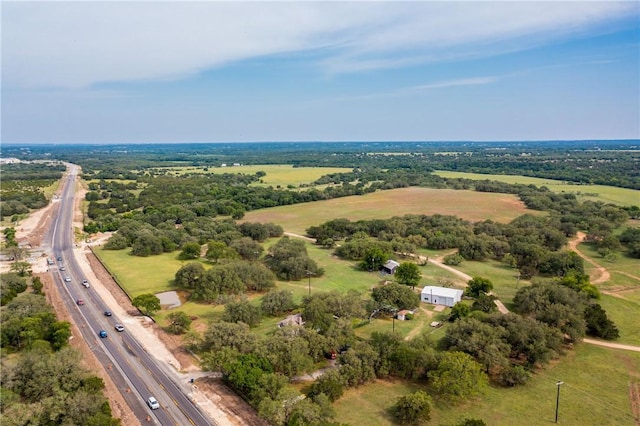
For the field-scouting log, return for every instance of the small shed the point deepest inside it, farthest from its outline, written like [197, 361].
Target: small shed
[440, 295]
[291, 320]
[390, 267]
[402, 315]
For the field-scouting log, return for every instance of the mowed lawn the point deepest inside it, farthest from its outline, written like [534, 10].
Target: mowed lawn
[139, 275]
[606, 194]
[595, 392]
[469, 205]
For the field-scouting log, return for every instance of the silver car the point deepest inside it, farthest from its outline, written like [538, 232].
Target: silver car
[153, 403]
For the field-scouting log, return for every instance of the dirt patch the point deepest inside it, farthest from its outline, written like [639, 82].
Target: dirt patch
[634, 396]
[119, 407]
[236, 408]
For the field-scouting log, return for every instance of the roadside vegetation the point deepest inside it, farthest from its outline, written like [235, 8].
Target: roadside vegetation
[43, 382]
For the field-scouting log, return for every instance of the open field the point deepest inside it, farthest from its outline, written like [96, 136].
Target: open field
[595, 392]
[606, 194]
[469, 205]
[139, 275]
[504, 278]
[154, 274]
[276, 175]
[621, 294]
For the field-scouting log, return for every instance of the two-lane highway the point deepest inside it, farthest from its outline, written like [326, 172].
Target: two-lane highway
[136, 374]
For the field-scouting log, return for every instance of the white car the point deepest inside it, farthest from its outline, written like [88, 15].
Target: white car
[153, 403]
[67, 279]
[85, 283]
[119, 327]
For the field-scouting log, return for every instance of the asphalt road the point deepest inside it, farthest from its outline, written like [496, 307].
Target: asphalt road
[136, 374]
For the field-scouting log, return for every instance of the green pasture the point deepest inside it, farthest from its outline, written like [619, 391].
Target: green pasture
[503, 277]
[469, 205]
[139, 275]
[276, 175]
[606, 194]
[595, 392]
[626, 315]
[369, 404]
[623, 264]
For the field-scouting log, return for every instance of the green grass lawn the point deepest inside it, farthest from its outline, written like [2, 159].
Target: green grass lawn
[503, 277]
[595, 392]
[369, 404]
[139, 275]
[606, 194]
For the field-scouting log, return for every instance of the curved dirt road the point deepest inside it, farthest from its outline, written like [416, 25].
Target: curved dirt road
[602, 271]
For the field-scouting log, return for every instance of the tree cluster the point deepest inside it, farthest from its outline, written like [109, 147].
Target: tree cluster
[43, 384]
[289, 260]
[232, 278]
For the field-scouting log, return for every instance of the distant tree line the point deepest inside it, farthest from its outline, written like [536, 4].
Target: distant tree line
[21, 187]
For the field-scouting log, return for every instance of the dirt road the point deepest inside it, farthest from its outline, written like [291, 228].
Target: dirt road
[601, 271]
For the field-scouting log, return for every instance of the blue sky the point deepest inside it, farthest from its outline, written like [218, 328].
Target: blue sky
[100, 72]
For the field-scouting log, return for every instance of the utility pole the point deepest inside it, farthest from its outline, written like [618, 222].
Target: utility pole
[309, 273]
[558, 383]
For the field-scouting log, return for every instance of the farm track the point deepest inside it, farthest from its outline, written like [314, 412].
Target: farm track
[604, 275]
[634, 396]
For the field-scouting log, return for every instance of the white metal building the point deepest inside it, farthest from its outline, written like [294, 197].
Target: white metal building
[440, 295]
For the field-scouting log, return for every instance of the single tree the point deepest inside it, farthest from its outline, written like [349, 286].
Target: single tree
[36, 285]
[373, 259]
[21, 268]
[190, 251]
[408, 274]
[458, 377]
[277, 302]
[478, 285]
[148, 303]
[179, 322]
[242, 311]
[413, 409]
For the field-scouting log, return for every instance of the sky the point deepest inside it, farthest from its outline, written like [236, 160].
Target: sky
[215, 71]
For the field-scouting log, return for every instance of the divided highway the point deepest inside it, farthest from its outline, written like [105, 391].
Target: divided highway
[136, 374]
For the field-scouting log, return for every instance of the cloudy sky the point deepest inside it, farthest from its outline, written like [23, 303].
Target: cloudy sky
[157, 71]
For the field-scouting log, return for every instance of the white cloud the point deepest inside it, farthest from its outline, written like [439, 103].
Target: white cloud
[473, 81]
[77, 44]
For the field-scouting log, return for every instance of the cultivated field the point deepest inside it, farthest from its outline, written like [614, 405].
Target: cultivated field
[469, 205]
[606, 194]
